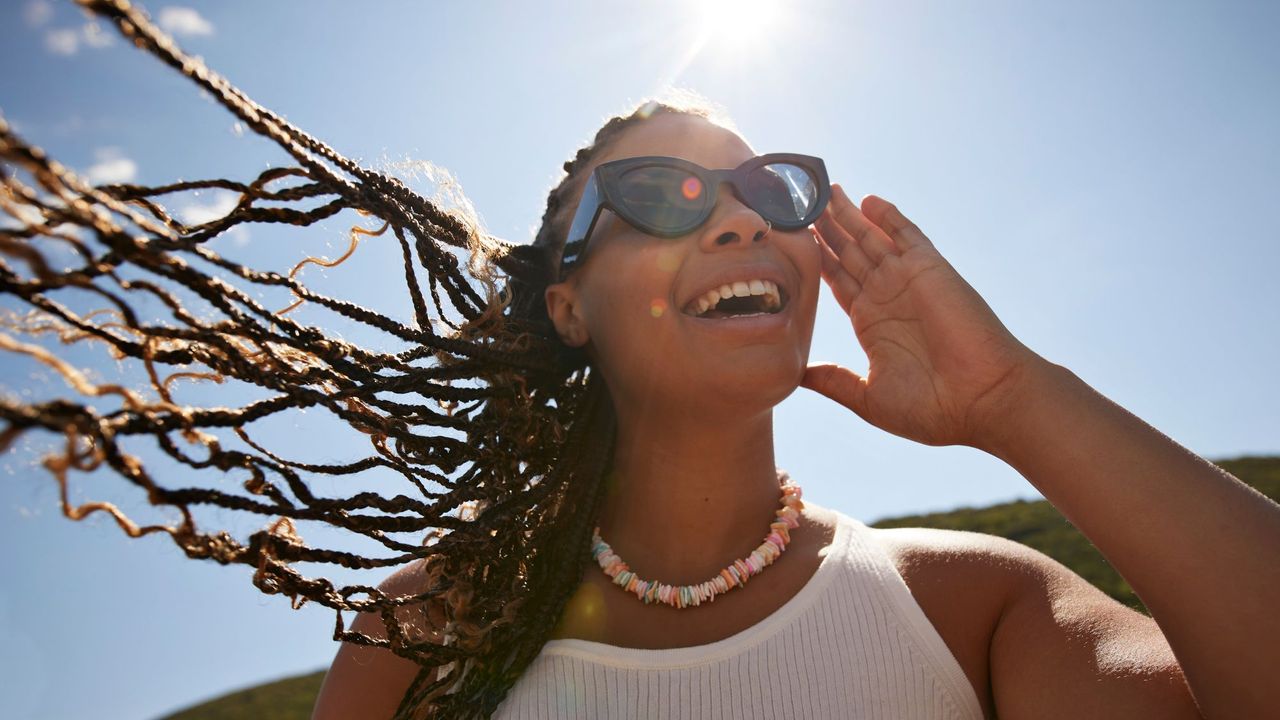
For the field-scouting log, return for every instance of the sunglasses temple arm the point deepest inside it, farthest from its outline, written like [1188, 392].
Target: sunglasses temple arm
[584, 222]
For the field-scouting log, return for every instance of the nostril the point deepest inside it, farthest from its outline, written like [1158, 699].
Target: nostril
[726, 238]
[760, 235]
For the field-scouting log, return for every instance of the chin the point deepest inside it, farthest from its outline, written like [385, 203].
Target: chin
[742, 384]
[756, 388]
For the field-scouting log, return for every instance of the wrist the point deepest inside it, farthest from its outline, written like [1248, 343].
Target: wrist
[1021, 404]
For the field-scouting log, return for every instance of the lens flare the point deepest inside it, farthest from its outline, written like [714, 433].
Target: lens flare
[586, 609]
[657, 307]
[691, 188]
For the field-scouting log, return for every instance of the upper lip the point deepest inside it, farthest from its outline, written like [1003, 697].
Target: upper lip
[738, 273]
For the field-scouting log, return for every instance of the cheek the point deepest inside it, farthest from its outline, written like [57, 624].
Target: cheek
[637, 283]
[634, 343]
[808, 261]
[630, 307]
[807, 257]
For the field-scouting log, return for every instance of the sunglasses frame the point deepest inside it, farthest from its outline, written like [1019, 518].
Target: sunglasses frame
[601, 192]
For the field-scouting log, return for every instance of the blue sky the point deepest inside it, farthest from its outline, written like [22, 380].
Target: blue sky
[1102, 173]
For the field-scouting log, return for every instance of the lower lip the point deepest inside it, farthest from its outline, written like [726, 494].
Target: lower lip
[763, 322]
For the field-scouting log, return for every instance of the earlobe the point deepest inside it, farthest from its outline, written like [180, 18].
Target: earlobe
[565, 314]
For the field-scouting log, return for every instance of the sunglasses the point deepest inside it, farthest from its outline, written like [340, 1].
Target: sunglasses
[669, 197]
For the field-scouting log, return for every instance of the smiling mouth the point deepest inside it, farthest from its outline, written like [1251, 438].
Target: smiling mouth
[739, 299]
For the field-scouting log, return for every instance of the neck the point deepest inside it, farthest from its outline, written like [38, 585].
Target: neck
[689, 496]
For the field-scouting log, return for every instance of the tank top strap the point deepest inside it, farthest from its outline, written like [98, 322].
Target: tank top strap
[869, 560]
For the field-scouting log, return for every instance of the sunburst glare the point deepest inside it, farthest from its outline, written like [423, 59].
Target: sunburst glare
[730, 33]
[737, 23]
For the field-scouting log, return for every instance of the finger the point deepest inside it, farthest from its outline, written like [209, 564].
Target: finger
[844, 246]
[896, 225]
[838, 383]
[873, 241]
[844, 287]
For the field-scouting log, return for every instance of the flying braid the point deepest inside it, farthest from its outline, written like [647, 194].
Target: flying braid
[501, 435]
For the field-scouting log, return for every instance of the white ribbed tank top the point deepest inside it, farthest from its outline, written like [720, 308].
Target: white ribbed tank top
[852, 643]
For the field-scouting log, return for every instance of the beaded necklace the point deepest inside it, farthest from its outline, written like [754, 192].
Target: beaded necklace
[734, 575]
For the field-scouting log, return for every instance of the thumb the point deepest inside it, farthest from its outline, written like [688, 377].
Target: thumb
[838, 383]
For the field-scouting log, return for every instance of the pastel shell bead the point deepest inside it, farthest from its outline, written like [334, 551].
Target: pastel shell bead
[737, 573]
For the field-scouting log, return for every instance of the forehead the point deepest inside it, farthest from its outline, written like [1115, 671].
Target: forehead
[684, 136]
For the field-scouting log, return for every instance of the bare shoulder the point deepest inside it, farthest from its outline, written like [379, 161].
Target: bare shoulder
[1047, 637]
[369, 682]
[1005, 570]
[962, 580]
[1004, 576]
[1012, 574]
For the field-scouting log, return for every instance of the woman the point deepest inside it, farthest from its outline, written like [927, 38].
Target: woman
[844, 621]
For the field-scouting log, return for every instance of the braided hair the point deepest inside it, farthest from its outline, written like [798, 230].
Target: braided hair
[569, 544]
[504, 434]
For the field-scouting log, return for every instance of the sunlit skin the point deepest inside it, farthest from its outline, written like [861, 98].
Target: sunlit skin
[694, 483]
[694, 465]
[694, 468]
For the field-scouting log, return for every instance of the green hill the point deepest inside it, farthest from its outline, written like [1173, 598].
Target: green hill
[287, 699]
[1033, 523]
[1038, 525]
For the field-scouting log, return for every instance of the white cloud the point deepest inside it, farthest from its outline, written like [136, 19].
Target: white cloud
[238, 235]
[17, 216]
[62, 41]
[94, 36]
[197, 213]
[68, 41]
[216, 207]
[111, 167]
[37, 13]
[183, 21]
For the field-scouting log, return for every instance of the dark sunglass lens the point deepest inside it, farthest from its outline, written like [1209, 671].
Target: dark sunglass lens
[665, 198]
[782, 192]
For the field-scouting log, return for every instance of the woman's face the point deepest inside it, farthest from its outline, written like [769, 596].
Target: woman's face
[633, 303]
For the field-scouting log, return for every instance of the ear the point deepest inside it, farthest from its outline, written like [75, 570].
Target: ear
[565, 311]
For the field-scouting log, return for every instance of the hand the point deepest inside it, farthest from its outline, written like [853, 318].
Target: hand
[943, 369]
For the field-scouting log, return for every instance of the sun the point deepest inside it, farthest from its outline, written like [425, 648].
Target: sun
[738, 23]
[732, 34]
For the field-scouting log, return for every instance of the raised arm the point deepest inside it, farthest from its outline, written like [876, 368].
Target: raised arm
[1196, 544]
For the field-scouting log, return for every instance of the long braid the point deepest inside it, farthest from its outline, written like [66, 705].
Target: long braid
[567, 541]
[505, 440]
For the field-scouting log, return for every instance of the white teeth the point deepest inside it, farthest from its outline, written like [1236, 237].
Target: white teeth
[741, 288]
[772, 295]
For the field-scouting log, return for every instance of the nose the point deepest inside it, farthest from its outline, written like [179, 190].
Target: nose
[732, 224]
